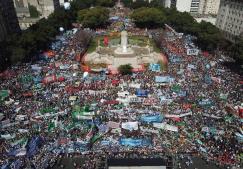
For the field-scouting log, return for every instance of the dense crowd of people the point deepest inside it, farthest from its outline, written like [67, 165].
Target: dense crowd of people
[51, 109]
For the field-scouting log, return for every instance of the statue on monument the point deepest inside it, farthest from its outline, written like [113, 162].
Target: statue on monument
[124, 41]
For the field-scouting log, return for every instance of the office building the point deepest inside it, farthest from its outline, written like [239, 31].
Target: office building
[63, 1]
[191, 6]
[21, 7]
[230, 18]
[45, 7]
[209, 7]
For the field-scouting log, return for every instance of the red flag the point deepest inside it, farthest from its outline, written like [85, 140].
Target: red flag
[106, 41]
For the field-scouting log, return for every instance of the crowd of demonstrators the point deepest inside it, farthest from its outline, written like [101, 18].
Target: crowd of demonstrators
[51, 108]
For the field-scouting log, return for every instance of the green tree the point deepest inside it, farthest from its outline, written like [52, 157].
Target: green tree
[148, 17]
[34, 13]
[125, 69]
[236, 49]
[93, 17]
[105, 3]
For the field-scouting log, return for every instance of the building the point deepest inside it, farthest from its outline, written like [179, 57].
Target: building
[194, 6]
[166, 3]
[230, 18]
[21, 7]
[8, 19]
[49, 6]
[209, 19]
[45, 7]
[25, 23]
[191, 6]
[63, 1]
[209, 7]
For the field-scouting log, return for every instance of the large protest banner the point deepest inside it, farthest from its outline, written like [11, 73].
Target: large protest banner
[165, 126]
[151, 118]
[192, 51]
[134, 142]
[130, 125]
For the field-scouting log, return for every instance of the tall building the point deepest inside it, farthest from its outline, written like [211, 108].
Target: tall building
[230, 18]
[209, 7]
[21, 7]
[45, 7]
[195, 6]
[8, 19]
[191, 6]
[49, 6]
[63, 1]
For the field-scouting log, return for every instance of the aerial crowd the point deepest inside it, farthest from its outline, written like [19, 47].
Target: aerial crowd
[51, 108]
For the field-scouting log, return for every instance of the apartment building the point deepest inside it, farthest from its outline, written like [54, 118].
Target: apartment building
[209, 7]
[230, 18]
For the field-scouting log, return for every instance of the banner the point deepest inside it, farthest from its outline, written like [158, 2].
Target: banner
[162, 79]
[239, 137]
[205, 103]
[123, 94]
[211, 115]
[165, 126]
[134, 142]
[136, 100]
[154, 67]
[130, 126]
[34, 145]
[150, 101]
[178, 116]
[8, 136]
[141, 93]
[164, 100]
[113, 125]
[216, 80]
[213, 131]
[147, 130]
[4, 94]
[22, 142]
[176, 88]
[135, 85]
[192, 52]
[18, 152]
[151, 118]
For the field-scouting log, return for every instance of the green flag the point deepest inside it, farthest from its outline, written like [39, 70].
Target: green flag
[4, 94]
[51, 126]
[95, 138]
[47, 110]
[176, 88]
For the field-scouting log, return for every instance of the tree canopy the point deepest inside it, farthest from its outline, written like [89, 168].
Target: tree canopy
[93, 17]
[148, 17]
[125, 69]
[34, 13]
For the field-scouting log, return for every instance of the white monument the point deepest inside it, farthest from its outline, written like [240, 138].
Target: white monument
[124, 41]
[122, 54]
[124, 49]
